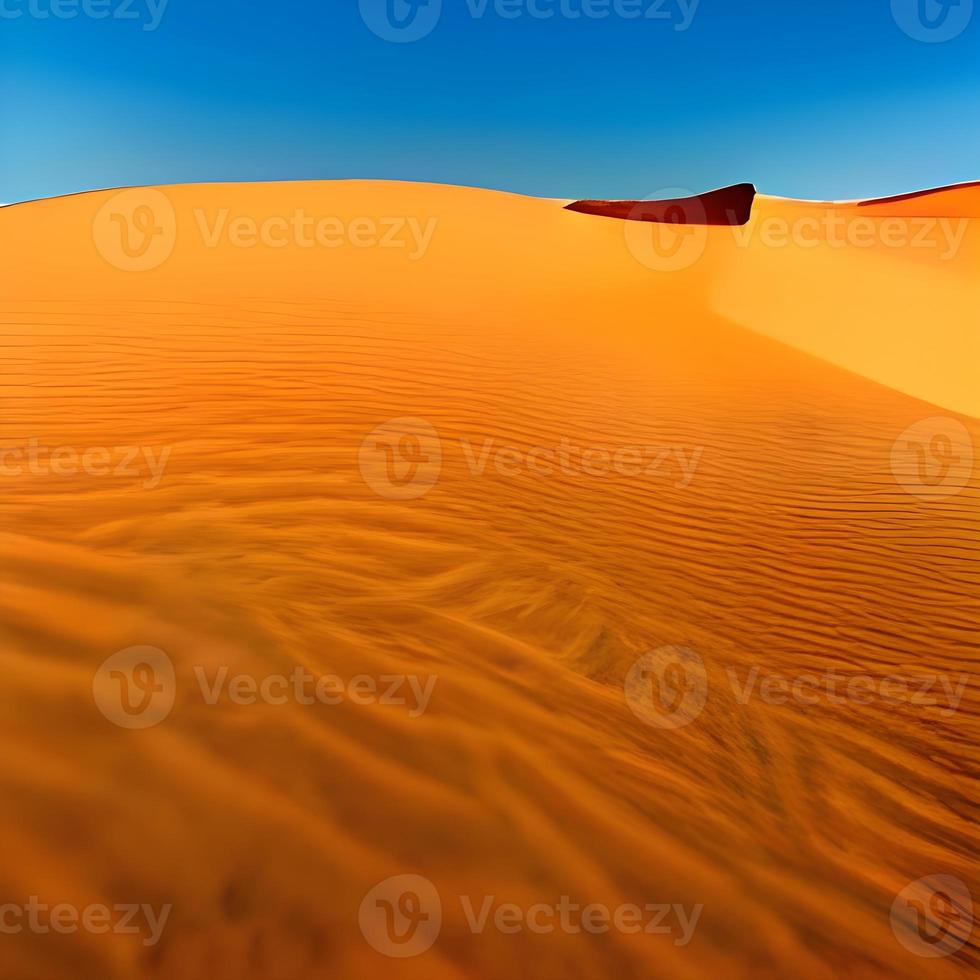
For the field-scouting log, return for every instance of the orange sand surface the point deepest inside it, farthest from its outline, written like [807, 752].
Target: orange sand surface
[765, 385]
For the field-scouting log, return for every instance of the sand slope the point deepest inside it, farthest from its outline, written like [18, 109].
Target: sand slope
[889, 289]
[957, 201]
[789, 547]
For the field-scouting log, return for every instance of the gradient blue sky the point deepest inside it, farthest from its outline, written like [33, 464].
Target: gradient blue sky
[807, 98]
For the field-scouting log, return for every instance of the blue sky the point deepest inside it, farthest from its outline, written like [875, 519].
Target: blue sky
[807, 98]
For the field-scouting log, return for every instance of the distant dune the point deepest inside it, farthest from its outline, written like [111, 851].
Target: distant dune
[957, 200]
[887, 288]
[386, 429]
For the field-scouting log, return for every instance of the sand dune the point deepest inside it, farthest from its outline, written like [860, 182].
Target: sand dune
[615, 444]
[888, 290]
[957, 200]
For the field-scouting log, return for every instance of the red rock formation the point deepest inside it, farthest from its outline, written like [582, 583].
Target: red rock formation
[726, 206]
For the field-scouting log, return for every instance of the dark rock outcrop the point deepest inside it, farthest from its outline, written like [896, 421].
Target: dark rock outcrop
[726, 206]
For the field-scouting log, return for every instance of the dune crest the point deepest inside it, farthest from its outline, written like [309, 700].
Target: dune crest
[957, 200]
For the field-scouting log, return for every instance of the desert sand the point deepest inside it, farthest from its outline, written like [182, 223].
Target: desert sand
[754, 393]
